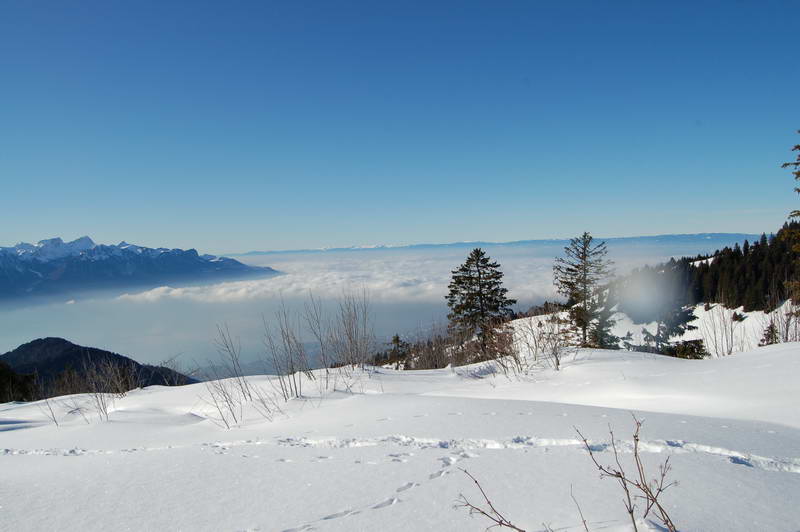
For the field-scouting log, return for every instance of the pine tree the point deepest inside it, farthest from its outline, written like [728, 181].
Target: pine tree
[673, 321]
[795, 167]
[577, 277]
[771, 335]
[477, 298]
[600, 332]
[793, 286]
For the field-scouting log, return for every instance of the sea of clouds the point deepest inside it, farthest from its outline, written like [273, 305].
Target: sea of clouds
[406, 288]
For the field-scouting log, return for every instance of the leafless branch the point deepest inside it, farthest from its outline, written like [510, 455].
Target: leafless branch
[489, 512]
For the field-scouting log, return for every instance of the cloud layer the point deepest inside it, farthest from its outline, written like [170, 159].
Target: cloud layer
[388, 277]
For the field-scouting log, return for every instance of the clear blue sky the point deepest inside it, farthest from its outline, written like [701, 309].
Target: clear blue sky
[231, 126]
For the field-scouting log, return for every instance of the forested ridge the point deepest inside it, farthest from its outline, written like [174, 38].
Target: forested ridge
[753, 276]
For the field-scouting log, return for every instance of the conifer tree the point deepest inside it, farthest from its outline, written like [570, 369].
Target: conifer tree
[477, 298]
[795, 167]
[577, 277]
[673, 321]
[771, 335]
[600, 334]
[793, 286]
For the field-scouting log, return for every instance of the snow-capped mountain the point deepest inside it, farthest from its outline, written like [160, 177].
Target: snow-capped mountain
[54, 266]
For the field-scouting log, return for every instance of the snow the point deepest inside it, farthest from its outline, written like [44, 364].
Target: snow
[55, 248]
[50, 249]
[387, 456]
[714, 324]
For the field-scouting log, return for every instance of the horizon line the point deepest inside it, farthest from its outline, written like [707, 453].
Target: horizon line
[377, 247]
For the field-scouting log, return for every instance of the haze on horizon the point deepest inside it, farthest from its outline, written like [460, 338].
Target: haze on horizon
[267, 126]
[406, 287]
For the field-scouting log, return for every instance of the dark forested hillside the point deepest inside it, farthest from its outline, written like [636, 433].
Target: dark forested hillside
[60, 367]
[752, 275]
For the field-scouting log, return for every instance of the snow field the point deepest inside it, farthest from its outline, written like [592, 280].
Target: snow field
[388, 457]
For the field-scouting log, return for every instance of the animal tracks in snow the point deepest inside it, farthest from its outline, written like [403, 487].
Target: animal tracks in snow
[338, 515]
[391, 501]
[788, 465]
[463, 446]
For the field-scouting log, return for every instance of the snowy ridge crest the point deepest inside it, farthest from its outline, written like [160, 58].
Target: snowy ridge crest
[55, 248]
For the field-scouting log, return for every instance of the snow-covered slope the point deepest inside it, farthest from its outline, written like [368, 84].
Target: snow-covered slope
[387, 456]
[723, 330]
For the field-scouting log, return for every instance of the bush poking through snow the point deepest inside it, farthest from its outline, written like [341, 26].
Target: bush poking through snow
[634, 487]
[637, 486]
[488, 511]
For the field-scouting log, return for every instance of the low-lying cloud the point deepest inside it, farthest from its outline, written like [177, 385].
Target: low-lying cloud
[407, 288]
[401, 277]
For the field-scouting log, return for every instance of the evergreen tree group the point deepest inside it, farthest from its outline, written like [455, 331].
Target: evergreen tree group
[753, 276]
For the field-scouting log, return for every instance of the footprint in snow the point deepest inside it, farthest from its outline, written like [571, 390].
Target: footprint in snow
[740, 461]
[337, 515]
[447, 461]
[421, 415]
[455, 414]
[407, 486]
[438, 474]
[284, 460]
[388, 502]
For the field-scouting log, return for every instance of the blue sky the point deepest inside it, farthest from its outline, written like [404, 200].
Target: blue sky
[231, 126]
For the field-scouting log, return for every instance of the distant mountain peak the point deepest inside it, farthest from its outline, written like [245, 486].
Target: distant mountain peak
[53, 266]
[51, 248]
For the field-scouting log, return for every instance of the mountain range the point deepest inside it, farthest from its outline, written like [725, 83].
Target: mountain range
[56, 267]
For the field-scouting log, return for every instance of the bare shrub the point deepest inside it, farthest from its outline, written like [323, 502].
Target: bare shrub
[46, 407]
[352, 338]
[101, 400]
[74, 406]
[555, 338]
[499, 350]
[266, 403]
[230, 352]
[546, 337]
[722, 331]
[432, 349]
[320, 330]
[636, 486]
[224, 396]
[106, 380]
[287, 354]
